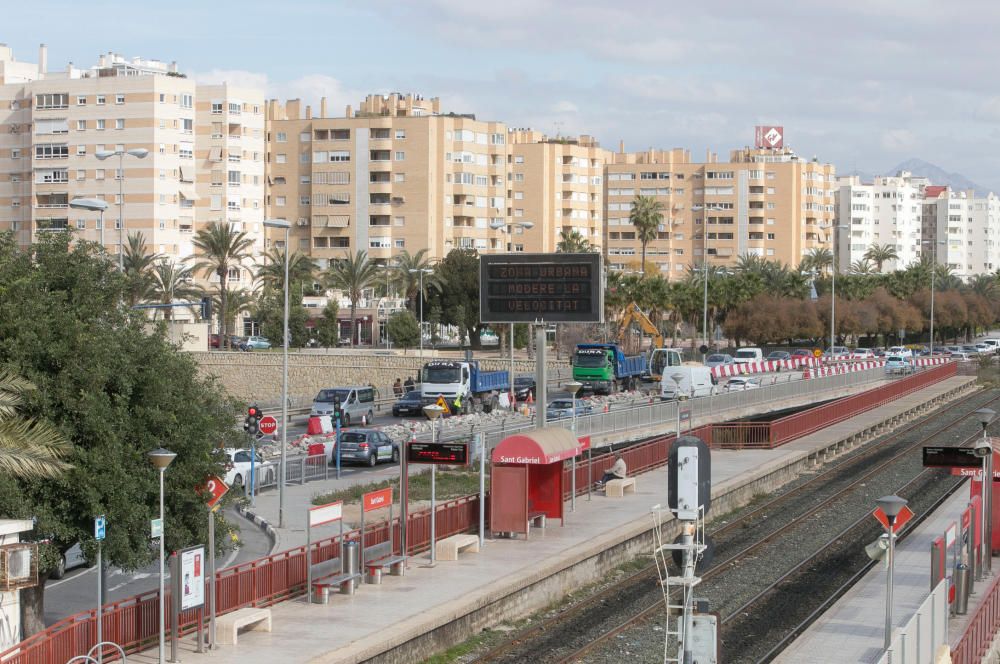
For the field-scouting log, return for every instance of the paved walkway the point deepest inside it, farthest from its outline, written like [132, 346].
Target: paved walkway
[355, 628]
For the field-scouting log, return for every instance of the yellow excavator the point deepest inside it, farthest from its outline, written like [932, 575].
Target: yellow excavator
[658, 357]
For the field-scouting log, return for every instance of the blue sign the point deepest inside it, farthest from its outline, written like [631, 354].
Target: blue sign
[100, 526]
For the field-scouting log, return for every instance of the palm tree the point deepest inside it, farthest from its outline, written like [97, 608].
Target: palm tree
[29, 449]
[985, 285]
[219, 248]
[819, 259]
[238, 300]
[351, 276]
[172, 282]
[271, 273]
[646, 216]
[863, 266]
[881, 254]
[572, 242]
[138, 266]
[406, 276]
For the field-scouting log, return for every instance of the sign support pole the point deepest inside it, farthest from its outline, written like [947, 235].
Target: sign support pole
[175, 581]
[211, 579]
[541, 391]
[482, 487]
[336, 445]
[433, 515]
[404, 487]
[253, 461]
[100, 605]
[362, 565]
[309, 560]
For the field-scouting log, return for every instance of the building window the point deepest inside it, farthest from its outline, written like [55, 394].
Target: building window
[399, 177]
[279, 201]
[52, 100]
[400, 134]
[188, 125]
[100, 125]
[281, 158]
[81, 101]
[99, 174]
[234, 178]
[216, 107]
[81, 175]
[120, 123]
[51, 151]
[119, 99]
[187, 100]
[101, 100]
[281, 137]
[400, 156]
[81, 125]
[305, 137]
[303, 200]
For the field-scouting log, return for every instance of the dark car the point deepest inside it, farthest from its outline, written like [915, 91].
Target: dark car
[802, 352]
[213, 341]
[367, 446]
[523, 386]
[779, 355]
[408, 404]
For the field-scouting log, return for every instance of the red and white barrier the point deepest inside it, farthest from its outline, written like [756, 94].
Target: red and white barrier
[766, 366]
[837, 369]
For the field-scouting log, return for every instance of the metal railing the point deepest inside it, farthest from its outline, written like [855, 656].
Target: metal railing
[918, 640]
[980, 630]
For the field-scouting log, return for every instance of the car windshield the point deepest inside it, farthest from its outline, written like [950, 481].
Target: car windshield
[894, 358]
[746, 353]
[561, 404]
[525, 381]
[590, 359]
[778, 354]
[352, 437]
[412, 396]
[441, 375]
[328, 396]
[716, 358]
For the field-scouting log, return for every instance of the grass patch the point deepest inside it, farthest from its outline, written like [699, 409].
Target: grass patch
[448, 484]
[464, 648]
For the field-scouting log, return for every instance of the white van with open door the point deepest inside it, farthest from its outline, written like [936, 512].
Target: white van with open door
[686, 382]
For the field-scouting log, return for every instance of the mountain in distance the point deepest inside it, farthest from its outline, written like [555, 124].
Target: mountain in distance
[936, 174]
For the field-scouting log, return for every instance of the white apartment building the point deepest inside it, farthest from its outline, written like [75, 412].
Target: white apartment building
[53, 124]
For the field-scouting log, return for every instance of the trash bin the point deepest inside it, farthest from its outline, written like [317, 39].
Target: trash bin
[961, 589]
[349, 566]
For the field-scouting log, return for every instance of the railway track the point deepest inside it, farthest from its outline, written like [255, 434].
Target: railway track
[582, 628]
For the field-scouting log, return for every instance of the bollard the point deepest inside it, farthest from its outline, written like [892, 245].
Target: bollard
[349, 565]
[961, 589]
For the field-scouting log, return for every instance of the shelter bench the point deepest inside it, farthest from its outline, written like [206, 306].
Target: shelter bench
[321, 587]
[228, 625]
[396, 565]
[618, 488]
[536, 519]
[449, 548]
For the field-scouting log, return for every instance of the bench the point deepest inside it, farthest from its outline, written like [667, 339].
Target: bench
[228, 625]
[396, 565]
[618, 488]
[449, 548]
[536, 519]
[321, 587]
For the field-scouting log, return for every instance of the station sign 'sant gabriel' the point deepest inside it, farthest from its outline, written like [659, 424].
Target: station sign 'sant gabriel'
[556, 288]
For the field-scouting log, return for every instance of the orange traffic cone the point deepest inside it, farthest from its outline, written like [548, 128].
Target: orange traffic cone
[531, 399]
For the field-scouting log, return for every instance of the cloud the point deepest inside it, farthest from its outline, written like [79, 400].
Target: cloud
[565, 106]
[898, 140]
[240, 78]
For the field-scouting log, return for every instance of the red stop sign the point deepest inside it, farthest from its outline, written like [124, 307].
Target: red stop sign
[267, 425]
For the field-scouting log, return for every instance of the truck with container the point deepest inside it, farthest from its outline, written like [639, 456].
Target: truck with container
[605, 368]
[479, 390]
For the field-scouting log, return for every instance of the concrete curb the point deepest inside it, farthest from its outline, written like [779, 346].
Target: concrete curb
[261, 523]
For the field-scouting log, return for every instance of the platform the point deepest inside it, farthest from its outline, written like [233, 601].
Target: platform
[461, 597]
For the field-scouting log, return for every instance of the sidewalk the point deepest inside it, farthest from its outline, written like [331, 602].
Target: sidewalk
[508, 578]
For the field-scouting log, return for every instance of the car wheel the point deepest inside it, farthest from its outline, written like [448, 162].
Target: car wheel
[60, 570]
[395, 455]
[372, 460]
[238, 480]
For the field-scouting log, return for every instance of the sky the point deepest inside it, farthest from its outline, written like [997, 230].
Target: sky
[862, 84]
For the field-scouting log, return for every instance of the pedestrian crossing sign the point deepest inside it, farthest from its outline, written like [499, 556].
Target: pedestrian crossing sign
[443, 404]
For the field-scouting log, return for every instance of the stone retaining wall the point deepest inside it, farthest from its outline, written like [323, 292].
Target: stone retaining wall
[257, 376]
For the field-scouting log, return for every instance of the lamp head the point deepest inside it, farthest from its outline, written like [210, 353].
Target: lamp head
[160, 458]
[277, 223]
[433, 411]
[573, 387]
[985, 416]
[891, 505]
[677, 377]
[139, 153]
[497, 225]
[104, 154]
[93, 204]
[527, 225]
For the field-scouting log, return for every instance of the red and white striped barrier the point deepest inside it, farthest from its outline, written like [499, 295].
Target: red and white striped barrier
[766, 366]
[837, 369]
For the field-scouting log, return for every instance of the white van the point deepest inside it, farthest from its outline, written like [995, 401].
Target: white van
[747, 355]
[355, 403]
[694, 382]
[994, 344]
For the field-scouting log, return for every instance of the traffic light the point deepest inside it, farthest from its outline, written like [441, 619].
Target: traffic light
[337, 412]
[252, 420]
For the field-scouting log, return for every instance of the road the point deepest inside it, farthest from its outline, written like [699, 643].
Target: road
[77, 591]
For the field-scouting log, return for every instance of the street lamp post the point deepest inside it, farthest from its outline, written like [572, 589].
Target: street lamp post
[94, 205]
[891, 505]
[933, 278]
[161, 458]
[985, 416]
[833, 290]
[421, 271]
[573, 387]
[283, 223]
[433, 412]
[138, 153]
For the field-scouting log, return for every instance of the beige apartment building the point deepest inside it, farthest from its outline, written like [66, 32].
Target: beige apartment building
[766, 202]
[53, 124]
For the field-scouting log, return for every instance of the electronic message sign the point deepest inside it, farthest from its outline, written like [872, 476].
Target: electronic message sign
[450, 454]
[554, 288]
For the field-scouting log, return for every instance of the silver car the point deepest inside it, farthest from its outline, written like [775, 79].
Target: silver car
[718, 360]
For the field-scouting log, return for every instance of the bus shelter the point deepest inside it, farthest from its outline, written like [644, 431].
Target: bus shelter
[526, 479]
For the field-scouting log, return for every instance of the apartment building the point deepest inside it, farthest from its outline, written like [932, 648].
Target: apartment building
[53, 125]
[557, 186]
[764, 202]
[394, 174]
[964, 228]
[887, 211]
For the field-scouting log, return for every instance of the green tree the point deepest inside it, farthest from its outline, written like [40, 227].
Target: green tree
[405, 276]
[404, 330]
[458, 276]
[138, 264]
[573, 242]
[301, 270]
[819, 259]
[238, 300]
[270, 314]
[115, 392]
[351, 276]
[864, 266]
[646, 216]
[220, 247]
[881, 254]
[327, 327]
[172, 282]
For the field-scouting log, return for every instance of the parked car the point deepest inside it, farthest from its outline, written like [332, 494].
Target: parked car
[355, 403]
[837, 353]
[747, 355]
[779, 355]
[740, 383]
[256, 343]
[802, 352]
[901, 351]
[862, 354]
[523, 386]
[238, 468]
[408, 404]
[992, 343]
[72, 559]
[719, 360]
[368, 447]
[213, 341]
[959, 355]
[896, 364]
[560, 408]
[971, 350]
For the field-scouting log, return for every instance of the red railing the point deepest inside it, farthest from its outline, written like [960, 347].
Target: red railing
[738, 435]
[979, 633]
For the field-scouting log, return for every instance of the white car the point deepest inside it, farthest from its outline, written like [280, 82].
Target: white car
[740, 383]
[901, 351]
[238, 468]
[862, 354]
[747, 355]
